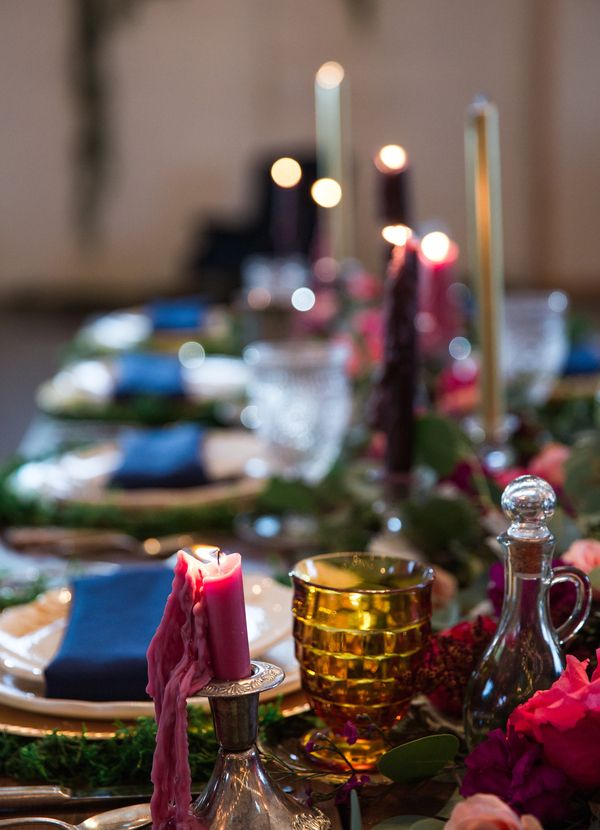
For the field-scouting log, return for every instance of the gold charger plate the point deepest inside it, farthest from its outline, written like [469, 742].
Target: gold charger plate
[32, 725]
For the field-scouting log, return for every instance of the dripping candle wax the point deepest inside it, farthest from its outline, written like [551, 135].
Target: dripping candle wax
[225, 612]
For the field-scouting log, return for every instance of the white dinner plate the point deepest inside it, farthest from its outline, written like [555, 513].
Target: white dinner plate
[31, 634]
[83, 475]
[16, 694]
[92, 383]
[128, 329]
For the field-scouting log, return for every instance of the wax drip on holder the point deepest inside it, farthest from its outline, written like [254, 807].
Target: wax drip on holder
[240, 794]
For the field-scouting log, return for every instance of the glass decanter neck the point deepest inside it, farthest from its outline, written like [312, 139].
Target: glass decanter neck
[528, 558]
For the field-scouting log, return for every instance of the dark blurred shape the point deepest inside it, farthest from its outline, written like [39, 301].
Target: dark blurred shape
[283, 223]
[393, 185]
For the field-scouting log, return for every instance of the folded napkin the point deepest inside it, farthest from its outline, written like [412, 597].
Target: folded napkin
[148, 374]
[165, 457]
[584, 359]
[180, 313]
[112, 620]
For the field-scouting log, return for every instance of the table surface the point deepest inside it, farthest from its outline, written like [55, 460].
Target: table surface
[377, 803]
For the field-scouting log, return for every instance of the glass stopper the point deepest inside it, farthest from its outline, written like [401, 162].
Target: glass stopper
[529, 502]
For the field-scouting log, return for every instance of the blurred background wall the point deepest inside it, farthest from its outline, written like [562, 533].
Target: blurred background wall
[202, 88]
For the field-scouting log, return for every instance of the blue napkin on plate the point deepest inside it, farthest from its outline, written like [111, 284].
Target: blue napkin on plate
[179, 313]
[584, 359]
[165, 457]
[139, 373]
[112, 620]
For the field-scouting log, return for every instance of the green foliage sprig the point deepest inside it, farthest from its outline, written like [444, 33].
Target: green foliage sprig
[124, 759]
[148, 410]
[37, 511]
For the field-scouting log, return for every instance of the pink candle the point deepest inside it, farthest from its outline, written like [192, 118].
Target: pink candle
[202, 634]
[438, 318]
[226, 613]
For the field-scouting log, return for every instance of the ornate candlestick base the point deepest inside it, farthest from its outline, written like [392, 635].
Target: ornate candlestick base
[240, 793]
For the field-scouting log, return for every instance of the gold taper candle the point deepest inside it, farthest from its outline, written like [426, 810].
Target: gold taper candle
[332, 133]
[484, 206]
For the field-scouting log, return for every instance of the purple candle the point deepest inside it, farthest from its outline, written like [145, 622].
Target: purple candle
[393, 185]
[395, 394]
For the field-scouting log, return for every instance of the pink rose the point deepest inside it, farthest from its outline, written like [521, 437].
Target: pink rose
[488, 812]
[504, 477]
[444, 588]
[585, 555]
[565, 720]
[549, 463]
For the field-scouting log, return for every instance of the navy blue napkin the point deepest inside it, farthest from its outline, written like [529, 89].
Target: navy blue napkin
[180, 313]
[148, 374]
[584, 359]
[165, 457]
[112, 620]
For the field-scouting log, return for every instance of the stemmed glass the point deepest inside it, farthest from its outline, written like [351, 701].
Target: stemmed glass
[300, 405]
[535, 346]
[361, 624]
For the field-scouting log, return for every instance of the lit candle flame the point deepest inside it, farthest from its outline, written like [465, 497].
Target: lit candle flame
[206, 554]
[391, 159]
[327, 193]
[396, 234]
[438, 247]
[286, 172]
[330, 75]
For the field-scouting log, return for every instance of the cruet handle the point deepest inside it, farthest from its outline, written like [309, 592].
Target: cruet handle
[583, 603]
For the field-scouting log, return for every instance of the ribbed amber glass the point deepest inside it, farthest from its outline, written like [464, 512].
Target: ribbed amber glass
[361, 622]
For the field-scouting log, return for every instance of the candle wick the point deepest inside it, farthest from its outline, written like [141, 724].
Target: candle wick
[219, 560]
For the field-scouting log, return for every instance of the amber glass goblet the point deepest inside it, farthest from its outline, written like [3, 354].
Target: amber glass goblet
[361, 623]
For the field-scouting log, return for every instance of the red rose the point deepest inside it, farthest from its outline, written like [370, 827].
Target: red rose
[565, 720]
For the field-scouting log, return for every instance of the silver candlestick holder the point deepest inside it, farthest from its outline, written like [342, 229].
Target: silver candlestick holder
[240, 794]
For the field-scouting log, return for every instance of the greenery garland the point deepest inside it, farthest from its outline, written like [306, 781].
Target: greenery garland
[124, 759]
[37, 511]
[147, 410]
[81, 348]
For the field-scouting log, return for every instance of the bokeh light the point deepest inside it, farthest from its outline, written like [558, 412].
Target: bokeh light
[330, 75]
[191, 354]
[303, 299]
[391, 158]
[436, 246]
[259, 298]
[327, 193]
[396, 234]
[286, 172]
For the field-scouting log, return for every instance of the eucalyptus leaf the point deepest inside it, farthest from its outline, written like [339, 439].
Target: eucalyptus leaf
[419, 759]
[428, 824]
[402, 823]
[355, 814]
[582, 479]
[594, 577]
[439, 443]
[454, 799]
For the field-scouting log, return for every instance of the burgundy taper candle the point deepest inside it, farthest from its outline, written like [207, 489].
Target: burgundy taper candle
[396, 390]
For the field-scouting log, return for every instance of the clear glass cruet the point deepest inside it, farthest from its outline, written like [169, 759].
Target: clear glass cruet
[525, 654]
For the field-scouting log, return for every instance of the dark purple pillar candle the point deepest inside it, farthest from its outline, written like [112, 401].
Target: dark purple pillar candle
[396, 390]
[393, 186]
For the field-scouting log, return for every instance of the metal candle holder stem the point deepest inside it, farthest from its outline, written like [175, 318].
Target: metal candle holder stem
[240, 793]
